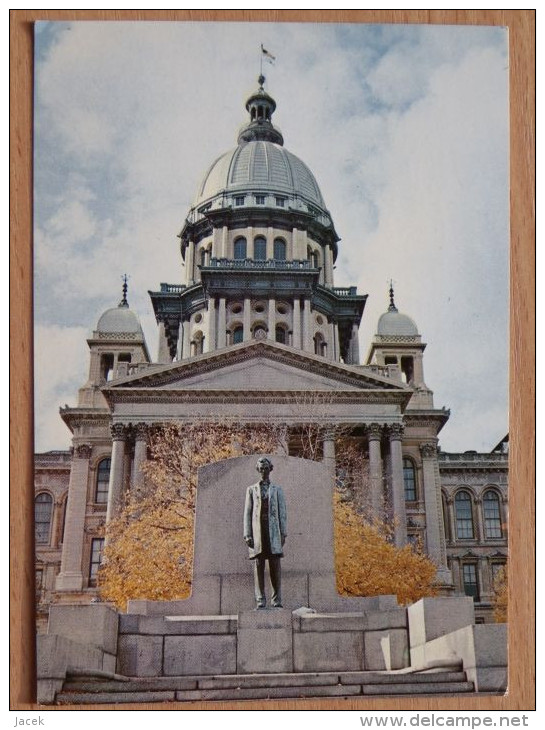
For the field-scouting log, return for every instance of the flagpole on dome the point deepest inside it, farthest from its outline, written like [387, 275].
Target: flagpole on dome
[267, 56]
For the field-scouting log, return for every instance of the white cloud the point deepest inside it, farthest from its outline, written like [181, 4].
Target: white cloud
[60, 368]
[404, 128]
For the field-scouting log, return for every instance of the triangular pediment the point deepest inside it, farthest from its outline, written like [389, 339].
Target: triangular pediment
[256, 366]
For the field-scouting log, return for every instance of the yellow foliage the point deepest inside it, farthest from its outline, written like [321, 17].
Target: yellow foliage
[149, 549]
[500, 599]
[368, 564]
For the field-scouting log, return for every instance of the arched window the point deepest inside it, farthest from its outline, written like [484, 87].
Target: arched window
[43, 509]
[203, 257]
[464, 515]
[280, 334]
[492, 515]
[103, 481]
[238, 335]
[319, 344]
[409, 480]
[260, 249]
[198, 343]
[240, 249]
[279, 250]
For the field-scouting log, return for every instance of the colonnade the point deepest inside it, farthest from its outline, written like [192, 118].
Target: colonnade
[386, 484]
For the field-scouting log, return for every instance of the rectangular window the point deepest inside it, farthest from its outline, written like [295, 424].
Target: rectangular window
[97, 546]
[281, 202]
[260, 200]
[471, 585]
[239, 200]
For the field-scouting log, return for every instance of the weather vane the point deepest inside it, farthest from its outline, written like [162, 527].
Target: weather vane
[268, 57]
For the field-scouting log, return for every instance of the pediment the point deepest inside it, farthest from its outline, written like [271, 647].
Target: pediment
[256, 366]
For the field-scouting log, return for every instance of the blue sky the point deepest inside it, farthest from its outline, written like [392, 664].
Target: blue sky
[404, 127]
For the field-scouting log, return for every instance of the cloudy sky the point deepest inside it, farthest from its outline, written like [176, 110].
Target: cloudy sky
[404, 127]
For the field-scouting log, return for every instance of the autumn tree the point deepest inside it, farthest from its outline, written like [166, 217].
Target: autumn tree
[369, 564]
[499, 600]
[149, 550]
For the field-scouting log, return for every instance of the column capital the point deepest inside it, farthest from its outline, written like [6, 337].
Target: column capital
[428, 450]
[395, 431]
[374, 431]
[118, 432]
[83, 451]
[141, 431]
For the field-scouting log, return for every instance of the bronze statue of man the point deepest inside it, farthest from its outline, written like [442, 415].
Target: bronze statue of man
[265, 530]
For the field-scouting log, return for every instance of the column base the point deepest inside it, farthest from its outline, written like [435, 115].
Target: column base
[69, 581]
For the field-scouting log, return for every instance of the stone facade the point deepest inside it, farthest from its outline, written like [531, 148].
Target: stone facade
[258, 329]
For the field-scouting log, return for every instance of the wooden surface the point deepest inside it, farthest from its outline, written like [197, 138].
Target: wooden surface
[521, 24]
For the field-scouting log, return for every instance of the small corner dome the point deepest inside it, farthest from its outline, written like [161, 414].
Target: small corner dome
[393, 323]
[119, 320]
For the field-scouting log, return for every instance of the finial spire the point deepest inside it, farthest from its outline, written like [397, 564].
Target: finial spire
[392, 307]
[124, 302]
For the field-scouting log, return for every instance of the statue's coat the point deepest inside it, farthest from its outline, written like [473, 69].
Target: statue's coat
[278, 521]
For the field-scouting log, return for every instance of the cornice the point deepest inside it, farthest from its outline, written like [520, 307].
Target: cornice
[331, 397]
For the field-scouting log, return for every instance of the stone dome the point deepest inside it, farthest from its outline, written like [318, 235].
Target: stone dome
[119, 320]
[393, 323]
[260, 166]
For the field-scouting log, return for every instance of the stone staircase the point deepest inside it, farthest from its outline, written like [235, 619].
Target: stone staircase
[81, 689]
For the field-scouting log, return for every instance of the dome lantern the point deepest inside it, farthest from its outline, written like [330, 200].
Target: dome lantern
[260, 106]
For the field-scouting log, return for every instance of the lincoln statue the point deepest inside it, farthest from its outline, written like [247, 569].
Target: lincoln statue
[265, 529]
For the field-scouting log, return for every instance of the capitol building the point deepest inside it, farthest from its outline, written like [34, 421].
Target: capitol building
[258, 327]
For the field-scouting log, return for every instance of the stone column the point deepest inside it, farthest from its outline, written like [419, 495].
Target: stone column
[190, 254]
[115, 489]
[163, 353]
[374, 434]
[224, 242]
[140, 454]
[504, 515]
[331, 349]
[186, 347]
[270, 242]
[328, 265]
[296, 342]
[337, 344]
[355, 345]
[452, 518]
[180, 343]
[211, 324]
[329, 452]
[479, 525]
[435, 532]
[222, 323]
[55, 520]
[247, 320]
[395, 433]
[307, 334]
[455, 567]
[70, 577]
[271, 321]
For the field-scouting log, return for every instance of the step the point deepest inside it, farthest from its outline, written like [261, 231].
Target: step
[250, 681]
[84, 689]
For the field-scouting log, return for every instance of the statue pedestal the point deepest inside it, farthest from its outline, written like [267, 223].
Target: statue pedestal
[264, 641]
